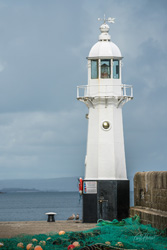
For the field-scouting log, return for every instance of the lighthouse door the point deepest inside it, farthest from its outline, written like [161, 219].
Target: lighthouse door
[102, 208]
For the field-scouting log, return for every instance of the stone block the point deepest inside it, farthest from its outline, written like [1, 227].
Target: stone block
[158, 206]
[156, 192]
[165, 207]
[148, 197]
[150, 191]
[147, 204]
[159, 179]
[149, 217]
[163, 199]
[153, 218]
[163, 192]
[158, 219]
[148, 182]
[155, 199]
[142, 203]
[165, 180]
[137, 202]
[145, 216]
[153, 183]
[154, 205]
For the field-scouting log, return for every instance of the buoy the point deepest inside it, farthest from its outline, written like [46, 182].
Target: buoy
[61, 232]
[30, 247]
[76, 244]
[34, 240]
[71, 246]
[42, 242]
[38, 248]
[120, 244]
[49, 238]
[1, 244]
[20, 245]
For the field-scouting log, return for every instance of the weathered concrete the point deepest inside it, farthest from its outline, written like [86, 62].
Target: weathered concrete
[14, 228]
[150, 198]
[157, 219]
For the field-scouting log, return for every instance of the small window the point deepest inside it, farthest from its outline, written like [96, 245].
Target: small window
[94, 69]
[116, 69]
[105, 69]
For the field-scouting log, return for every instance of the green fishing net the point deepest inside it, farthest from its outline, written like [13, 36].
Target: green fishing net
[126, 234]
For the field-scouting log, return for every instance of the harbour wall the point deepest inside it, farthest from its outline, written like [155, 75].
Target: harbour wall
[150, 198]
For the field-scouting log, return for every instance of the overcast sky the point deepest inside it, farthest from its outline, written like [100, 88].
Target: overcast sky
[43, 50]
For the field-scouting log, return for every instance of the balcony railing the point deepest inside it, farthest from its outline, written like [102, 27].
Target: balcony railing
[86, 91]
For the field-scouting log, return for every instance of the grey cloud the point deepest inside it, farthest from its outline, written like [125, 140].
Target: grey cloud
[43, 50]
[39, 140]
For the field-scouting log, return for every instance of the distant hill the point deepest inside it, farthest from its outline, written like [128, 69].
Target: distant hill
[56, 184]
[11, 190]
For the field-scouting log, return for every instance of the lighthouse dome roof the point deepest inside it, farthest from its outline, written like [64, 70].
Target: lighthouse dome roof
[104, 47]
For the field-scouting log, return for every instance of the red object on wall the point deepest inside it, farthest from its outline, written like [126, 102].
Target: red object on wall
[80, 186]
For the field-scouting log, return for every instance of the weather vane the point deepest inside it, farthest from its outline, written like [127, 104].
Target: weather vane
[109, 20]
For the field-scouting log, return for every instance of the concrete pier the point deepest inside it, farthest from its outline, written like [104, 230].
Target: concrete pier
[150, 198]
[10, 229]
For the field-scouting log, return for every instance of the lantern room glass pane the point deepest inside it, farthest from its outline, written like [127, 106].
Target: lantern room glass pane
[116, 69]
[94, 69]
[105, 68]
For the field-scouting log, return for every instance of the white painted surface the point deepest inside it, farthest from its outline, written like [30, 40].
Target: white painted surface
[104, 49]
[105, 148]
[51, 213]
[105, 157]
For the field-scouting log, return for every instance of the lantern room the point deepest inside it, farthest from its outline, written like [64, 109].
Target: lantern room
[104, 60]
[105, 68]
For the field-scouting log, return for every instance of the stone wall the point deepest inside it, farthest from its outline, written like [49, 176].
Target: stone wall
[150, 198]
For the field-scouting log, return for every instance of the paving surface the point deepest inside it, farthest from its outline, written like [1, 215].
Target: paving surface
[14, 228]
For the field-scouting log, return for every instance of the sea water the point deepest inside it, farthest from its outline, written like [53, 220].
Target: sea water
[32, 206]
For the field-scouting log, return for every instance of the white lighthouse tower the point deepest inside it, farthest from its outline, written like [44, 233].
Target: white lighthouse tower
[105, 186]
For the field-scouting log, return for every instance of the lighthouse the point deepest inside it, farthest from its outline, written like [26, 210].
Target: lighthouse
[105, 185]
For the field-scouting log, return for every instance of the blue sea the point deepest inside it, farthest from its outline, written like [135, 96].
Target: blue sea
[32, 206]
